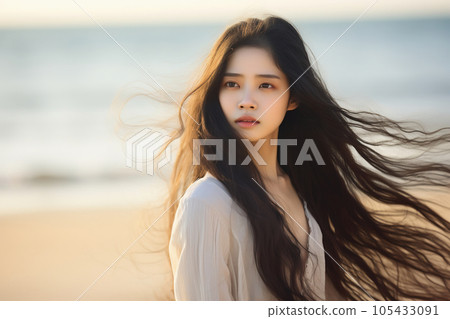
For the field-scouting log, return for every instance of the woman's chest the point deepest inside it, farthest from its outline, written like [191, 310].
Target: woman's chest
[293, 211]
[246, 282]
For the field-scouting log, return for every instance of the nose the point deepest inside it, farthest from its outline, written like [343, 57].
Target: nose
[247, 101]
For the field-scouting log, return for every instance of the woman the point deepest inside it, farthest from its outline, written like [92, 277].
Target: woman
[272, 191]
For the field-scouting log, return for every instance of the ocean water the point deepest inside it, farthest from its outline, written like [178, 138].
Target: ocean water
[57, 85]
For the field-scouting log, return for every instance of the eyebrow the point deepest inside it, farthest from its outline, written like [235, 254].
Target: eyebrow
[272, 76]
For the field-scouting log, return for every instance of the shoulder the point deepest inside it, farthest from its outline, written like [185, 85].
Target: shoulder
[209, 191]
[207, 195]
[204, 211]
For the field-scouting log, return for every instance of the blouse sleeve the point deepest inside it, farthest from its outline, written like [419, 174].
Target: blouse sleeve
[199, 249]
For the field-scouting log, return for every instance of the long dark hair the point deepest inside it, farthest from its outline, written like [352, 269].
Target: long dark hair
[370, 254]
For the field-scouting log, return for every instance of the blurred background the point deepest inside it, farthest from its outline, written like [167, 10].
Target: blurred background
[69, 205]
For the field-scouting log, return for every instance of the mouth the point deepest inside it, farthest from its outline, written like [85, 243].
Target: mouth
[247, 123]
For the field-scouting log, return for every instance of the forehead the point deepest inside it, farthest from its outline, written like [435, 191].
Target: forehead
[251, 60]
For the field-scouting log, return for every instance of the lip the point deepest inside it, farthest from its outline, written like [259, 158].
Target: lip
[246, 121]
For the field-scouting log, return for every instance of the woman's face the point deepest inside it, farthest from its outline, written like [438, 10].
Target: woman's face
[253, 86]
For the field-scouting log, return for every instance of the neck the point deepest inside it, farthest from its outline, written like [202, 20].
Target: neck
[271, 172]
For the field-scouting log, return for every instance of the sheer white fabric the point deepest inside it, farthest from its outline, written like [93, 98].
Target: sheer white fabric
[211, 249]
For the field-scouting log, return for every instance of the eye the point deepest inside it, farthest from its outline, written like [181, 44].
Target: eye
[271, 86]
[230, 84]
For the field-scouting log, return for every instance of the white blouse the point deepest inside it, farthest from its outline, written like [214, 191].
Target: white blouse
[211, 248]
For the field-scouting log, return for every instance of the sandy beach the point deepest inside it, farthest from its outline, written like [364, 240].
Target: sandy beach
[58, 255]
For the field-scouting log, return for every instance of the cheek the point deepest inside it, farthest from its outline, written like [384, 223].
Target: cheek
[278, 110]
[225, 103]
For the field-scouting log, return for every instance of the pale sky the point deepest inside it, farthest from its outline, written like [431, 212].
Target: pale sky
[28, 13]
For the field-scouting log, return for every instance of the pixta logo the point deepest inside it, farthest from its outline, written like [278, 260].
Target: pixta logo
[308, 148]
[142, 148]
